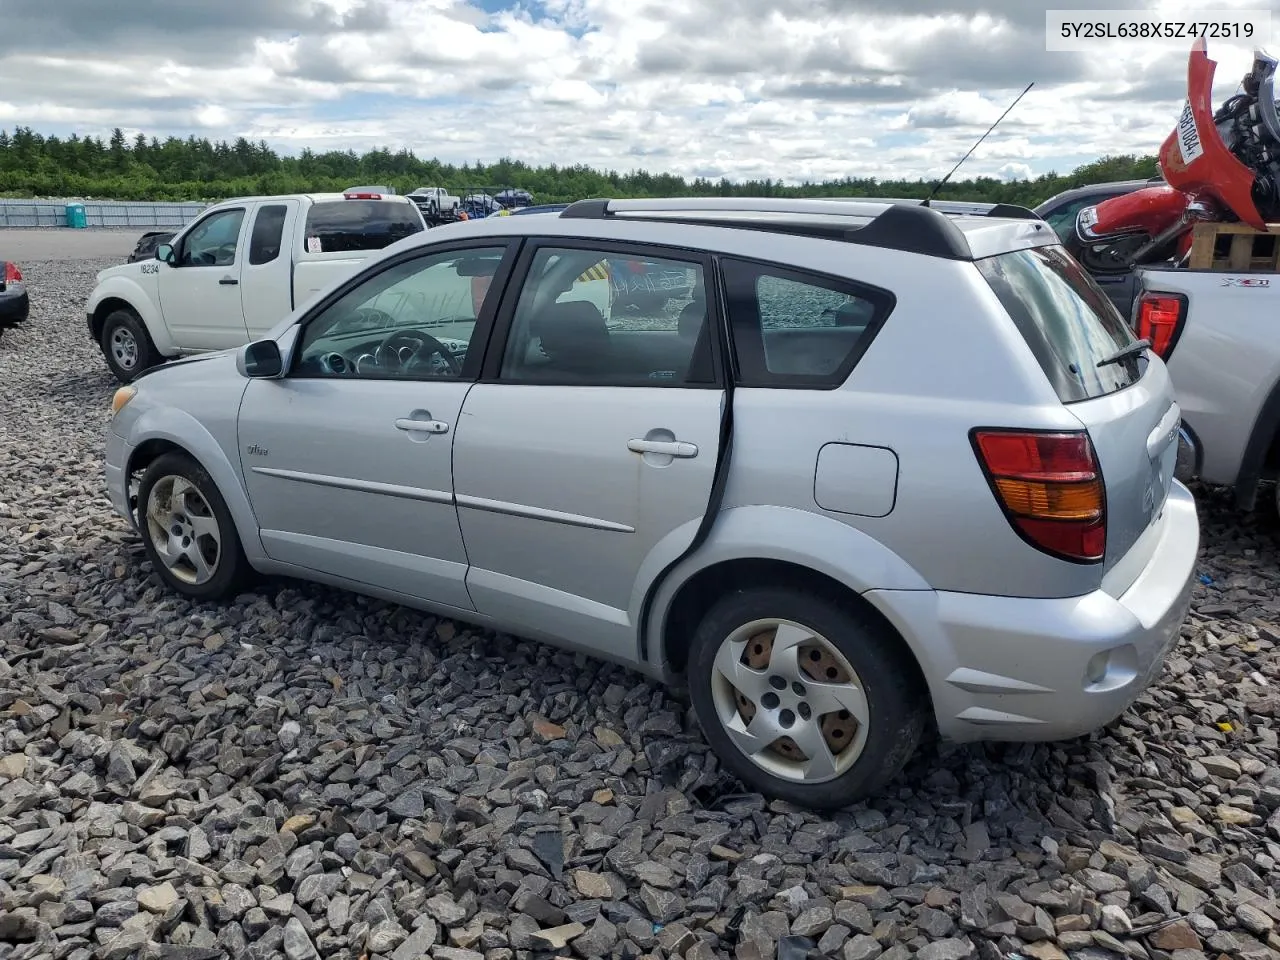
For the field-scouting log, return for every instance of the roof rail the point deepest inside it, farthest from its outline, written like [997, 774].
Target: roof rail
[898, 224]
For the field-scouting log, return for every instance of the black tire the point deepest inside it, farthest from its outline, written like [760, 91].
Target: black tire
[117, 329]
[898, 706]
[231, 569]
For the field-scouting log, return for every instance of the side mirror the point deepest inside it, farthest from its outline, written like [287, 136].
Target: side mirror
[260, 360]
[165, 253]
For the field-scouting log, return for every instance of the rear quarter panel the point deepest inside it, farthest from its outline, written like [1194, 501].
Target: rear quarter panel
[1226, 362]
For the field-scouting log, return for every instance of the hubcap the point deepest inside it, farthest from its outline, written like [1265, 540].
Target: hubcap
[124, 347]
[790, 701]
[183, 530]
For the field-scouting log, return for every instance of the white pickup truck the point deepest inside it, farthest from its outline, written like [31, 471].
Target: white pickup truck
[235, 271]
[435, 202]
[1215, 329]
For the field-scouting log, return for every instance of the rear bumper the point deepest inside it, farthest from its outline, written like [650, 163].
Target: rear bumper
[1012, 668]
[15, 305]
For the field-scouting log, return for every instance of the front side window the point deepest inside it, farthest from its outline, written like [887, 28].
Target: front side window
[212, 242]
[793, 328]
[593, 317]
[412, 321]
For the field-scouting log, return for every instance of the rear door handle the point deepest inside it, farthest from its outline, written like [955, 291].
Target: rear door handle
[672, 448]
[228, 281]
[422, 426]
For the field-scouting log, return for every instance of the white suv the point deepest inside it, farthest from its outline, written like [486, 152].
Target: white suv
[843, 469]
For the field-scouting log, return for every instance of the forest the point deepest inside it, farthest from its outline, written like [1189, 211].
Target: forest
[142, 168]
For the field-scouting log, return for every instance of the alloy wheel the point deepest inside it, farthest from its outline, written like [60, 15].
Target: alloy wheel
[183, 530]
[790, 701]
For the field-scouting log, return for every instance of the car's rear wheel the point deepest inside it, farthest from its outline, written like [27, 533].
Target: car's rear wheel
[126, 345]
[804, 698]
[187, 530]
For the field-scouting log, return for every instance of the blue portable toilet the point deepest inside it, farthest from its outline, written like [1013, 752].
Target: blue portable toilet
[76, 217]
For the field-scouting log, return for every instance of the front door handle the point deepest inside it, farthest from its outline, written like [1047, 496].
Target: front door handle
[422, 426]
[671, 448]
[228, 281]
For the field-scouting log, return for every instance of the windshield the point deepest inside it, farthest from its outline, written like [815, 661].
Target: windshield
[1066, 319]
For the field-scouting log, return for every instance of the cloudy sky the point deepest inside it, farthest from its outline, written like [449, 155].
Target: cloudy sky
[791, 89]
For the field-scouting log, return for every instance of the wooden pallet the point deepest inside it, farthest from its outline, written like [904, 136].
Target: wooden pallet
[1237, 247]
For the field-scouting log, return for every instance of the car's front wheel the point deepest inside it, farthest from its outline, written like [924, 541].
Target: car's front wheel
[126, 345]
[805, 699]
[187, 530]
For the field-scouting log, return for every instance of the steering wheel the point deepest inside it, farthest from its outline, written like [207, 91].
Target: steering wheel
[414, 342]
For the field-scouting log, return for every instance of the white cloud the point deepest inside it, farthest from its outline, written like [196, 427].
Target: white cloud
[1015, 171]
[789, 89]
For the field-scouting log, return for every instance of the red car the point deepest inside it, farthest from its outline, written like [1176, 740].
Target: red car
[14, 303]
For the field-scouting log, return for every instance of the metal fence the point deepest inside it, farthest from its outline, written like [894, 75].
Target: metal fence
[98, 213]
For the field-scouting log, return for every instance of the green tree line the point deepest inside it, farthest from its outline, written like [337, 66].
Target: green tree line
[147, 168]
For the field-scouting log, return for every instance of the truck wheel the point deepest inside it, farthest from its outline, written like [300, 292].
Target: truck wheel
[126, 345]
[804, 699]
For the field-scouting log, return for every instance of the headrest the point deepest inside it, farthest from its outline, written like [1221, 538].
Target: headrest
[572, 328]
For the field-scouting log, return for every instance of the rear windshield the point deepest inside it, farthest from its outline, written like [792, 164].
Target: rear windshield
[1067, 320]
[359, 224]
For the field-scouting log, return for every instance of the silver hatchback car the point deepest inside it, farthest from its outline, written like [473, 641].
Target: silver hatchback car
[843, 470]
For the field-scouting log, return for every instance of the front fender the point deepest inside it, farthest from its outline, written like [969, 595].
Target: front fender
[801, 537]
[129, 290]
[178, 427]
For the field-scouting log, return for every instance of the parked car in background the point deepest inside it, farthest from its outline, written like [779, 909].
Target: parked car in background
[147, 243]
[1060, 210]
[15, 302]
[513, 197]
[794, 491]
[232, 274]
[536, 208]
[477, 204]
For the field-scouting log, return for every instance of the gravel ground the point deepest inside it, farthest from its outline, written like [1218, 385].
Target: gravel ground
[309, 773]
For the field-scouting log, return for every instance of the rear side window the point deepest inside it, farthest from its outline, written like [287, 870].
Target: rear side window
[1066, 319]
[344, 225]
[792, 328]
[268, 229]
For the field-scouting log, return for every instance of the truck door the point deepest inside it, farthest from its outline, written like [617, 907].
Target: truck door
[266, 280]
[200, 289]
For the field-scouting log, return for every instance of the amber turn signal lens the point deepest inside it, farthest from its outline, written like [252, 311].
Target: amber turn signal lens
[1045, 501]
[121, 397]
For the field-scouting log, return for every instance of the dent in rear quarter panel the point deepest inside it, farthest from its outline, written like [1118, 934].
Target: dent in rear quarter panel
[1225, 363]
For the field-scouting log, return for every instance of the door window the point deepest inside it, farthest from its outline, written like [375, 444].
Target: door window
[268, 231]
[592, 317]
[212, 242]
[794, 328]
[412, 321]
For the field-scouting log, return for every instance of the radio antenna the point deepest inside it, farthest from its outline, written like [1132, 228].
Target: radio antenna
[943, 181]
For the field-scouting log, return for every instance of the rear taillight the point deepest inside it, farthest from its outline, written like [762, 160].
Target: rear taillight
[1050, 488]
[12, 274]
[1160, 317]
[362, 196]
